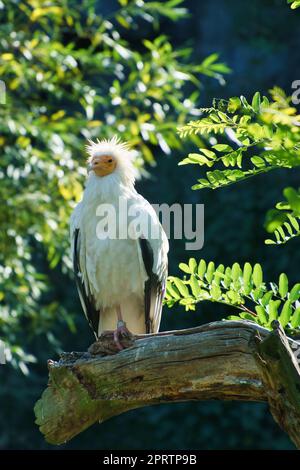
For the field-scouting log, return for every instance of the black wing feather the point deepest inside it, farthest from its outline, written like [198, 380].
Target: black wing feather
[87, 300]
[154, 289]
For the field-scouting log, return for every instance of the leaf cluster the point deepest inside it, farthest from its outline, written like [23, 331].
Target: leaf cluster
[242, 288]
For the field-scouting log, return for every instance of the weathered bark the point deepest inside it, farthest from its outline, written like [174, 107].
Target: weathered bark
[281, 377]
[221, 360]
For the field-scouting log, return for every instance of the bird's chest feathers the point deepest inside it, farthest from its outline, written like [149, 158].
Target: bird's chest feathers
[114, 264]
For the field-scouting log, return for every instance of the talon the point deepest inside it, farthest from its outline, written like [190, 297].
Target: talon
[116, 339]
[120, 331]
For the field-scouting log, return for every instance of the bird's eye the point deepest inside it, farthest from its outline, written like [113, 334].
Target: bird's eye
[110, 160]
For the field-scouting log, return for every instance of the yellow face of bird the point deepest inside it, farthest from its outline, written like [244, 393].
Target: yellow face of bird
[103, 165]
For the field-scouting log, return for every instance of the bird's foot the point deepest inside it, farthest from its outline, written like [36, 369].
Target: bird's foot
[119, 332]
[112, 341]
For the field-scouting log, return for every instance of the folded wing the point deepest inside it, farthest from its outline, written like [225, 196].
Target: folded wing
[154, 248]
[84, 291]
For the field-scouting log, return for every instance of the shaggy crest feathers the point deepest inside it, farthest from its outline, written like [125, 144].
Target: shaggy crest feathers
[120, 151]
[114, 144]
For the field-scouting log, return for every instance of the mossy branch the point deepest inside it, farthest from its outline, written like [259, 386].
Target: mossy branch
[233, 360]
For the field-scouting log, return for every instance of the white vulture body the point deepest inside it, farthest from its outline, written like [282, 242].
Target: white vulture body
[125, 273]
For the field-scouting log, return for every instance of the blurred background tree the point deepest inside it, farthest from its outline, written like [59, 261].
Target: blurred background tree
[245, 140]
[72, 74]
[85, 69]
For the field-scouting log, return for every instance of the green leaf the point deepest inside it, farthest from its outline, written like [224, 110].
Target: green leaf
[256, 101]
[236, 272]
[247, 275]
[234, 297]
[294, 222]
[257, 275]
[261, 314]
[201, 268]
[222, 148]
[258, 162]
[196, 290]
[219, 274]
[266, 298]
[173, 291]
[295, 4]
[234, 104]
[210, 59]
[182, 288]
[215, 292]
[248, 316]
[193, 265]
[295, 319]
[295, 293]
[283, 285]
[199, 159]
[270, 242]
[257, 294]
[210, 271]
[234, 317]
[293, 199]
[227, 278]
[185, 268]
[273, 310]
[285, 315]
[208, 153]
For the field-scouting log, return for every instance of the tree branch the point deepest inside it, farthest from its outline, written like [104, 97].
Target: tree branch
[222, 360]
[281, 376]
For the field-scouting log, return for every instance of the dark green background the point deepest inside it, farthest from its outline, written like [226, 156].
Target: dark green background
[259, 40]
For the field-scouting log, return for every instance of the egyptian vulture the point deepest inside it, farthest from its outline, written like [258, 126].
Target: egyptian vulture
[120, 278]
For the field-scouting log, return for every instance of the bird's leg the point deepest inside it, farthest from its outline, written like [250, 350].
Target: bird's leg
[121, 330]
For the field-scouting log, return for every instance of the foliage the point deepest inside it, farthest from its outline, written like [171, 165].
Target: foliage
[246, 139]
[249, 139]
[241, 288]
[256, 39]
[294, 4]
[284, 219]
[72, 74]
